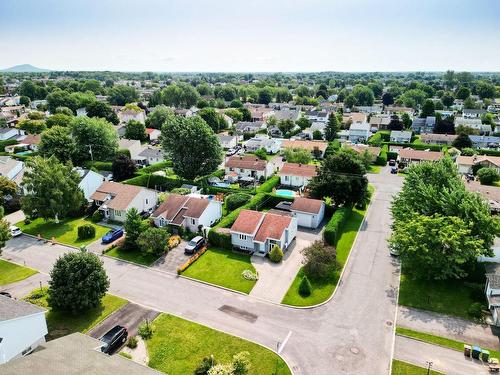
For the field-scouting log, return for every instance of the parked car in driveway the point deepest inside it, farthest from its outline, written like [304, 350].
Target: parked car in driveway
[194, 245]
[114, 339]
[394, 170]
[15, 231]
[112, 235]
[392, 162]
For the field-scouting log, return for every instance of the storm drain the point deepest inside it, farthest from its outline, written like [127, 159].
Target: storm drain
[238, 313]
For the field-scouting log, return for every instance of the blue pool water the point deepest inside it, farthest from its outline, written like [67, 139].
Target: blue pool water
[285, 193]
[24, 153]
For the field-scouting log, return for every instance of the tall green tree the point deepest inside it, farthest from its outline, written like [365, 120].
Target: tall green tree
[59, 142]
[51, 188]
[213, 119]
[102, 110]
[4, 230]
[94, 135]
[332, 127]
[462, 141]
[203, 157]
[123, 167]
[77, 283]
[121, 95]
[135, 130]
[133, 228]
[158, 117]
[427, 109]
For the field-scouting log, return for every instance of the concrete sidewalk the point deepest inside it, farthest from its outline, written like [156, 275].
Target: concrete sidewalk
[447, 326]
[447, 361]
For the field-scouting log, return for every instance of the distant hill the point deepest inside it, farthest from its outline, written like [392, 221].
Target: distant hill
[24, 68]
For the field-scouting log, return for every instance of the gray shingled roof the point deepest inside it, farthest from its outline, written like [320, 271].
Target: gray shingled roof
[12, 309]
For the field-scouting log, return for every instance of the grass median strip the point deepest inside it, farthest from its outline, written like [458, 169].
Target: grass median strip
[438, 340]
[405, 368]
[178, 347]
[11, 273]
[224, 268]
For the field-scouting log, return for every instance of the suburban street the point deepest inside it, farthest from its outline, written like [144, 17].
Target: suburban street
[351, 334]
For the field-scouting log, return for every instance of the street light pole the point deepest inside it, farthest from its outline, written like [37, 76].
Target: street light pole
[429, 365]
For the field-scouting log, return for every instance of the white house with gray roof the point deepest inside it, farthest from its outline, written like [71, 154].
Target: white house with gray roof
[400, 136]
[22, 328]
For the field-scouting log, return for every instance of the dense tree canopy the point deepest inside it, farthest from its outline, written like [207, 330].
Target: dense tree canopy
[59, 142]
[135, 130]
[121, 95]
[158, 116]
[96, 135]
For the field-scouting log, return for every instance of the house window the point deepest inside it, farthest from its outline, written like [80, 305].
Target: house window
[286, 178]
[147, 201]
[118, 213]
[193, 221]
[243, 237]
[162, 222]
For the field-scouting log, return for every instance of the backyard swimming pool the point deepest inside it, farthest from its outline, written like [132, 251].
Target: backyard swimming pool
[285, 193]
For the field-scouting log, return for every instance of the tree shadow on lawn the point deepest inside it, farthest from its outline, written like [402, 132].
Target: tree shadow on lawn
[55, 230]
[61, 323]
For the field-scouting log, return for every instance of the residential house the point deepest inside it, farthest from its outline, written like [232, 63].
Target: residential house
[317, 148]
[491, 194]
[258, 232]
[271, 145]
[227, 141]
[361, 148]
[309, 212]
[151, 155]
[134, 147]
[127, 114]
[115, 199]
[317, 116]
[359, 132]
[10, 133]
[438, 139]
[398, 136]
[376, 108]
[297, 175]
[22, 329]
[495, 106]
[248, 166]
[243, 127]
[287, 114]
[191, 212]
[259, 113]
[379, 122]
[483, 141]
[473, 123]
[316, 126]
[31, 141]
[423, 125]
[89, 181]
[10, 167]
[466, 163]
[80, 112]
[409, 156]
[473, 113]
[153, 134]
[354, 117]
[394, 110]
[73, 354]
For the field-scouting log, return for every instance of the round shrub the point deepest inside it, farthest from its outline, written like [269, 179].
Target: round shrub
[132, 342]
[145, 330]
[236, 200]
[305, 287]
[276, 254]
[97, 216]
[86, 231]
[488, 176]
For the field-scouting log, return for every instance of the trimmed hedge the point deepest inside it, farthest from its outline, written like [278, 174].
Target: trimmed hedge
[8, 142]
[382, 158]
[236, 200]
[488, 152]
[220, 239]
[99, 165]
[86, 231]
[416, 146]
[269, 185]
[157, 182]
[392, 155]
[208, 189]
[333, 229]
[155, 167]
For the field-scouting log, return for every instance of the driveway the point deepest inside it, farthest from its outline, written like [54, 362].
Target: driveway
[448, 326]
[351, 334]
[173, 259]
[276, 278]
[447, 361]
[15, 217]
[130, 316]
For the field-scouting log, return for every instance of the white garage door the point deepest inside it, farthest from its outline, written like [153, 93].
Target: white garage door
[304, 220]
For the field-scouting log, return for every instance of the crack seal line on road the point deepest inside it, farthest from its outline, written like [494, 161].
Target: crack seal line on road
[282, 345]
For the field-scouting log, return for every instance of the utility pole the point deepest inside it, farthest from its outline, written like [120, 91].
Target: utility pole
[429, 365]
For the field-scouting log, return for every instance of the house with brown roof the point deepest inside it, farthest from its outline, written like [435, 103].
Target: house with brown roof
[309, 212]
[115, 199]
[258, 232]
[374, 151]
[297, 175]
[238, 166]
[491, 194]
[314, 147]
[466, 163]
[187, 211]
[438, 139]
[409, 156]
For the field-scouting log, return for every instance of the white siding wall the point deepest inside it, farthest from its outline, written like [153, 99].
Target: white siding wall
[245, 243]
[212, 213]
[90, 183]
[297, 181]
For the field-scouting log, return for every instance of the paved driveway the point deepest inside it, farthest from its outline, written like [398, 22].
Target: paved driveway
[130, 316]
[351, 334]
[15, 217]
[173, 259]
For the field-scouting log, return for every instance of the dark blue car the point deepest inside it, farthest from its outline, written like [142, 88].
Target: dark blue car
[112, 235]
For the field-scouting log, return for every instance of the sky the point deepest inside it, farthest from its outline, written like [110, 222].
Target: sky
[251, 35]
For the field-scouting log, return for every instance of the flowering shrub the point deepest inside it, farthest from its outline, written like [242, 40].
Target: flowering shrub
[173, 241]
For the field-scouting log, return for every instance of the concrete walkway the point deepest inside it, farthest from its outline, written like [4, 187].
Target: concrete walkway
[447, 326]
[447, 361]
[276, 278]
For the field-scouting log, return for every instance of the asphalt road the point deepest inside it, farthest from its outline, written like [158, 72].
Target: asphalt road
[351, 334]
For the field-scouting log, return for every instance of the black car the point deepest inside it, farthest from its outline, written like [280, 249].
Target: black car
[6, 294]
[392, 162]
[194, 245]
[114, 339]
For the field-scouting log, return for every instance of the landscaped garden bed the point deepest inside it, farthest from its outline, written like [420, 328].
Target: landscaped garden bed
[178, 346]
[66, 231]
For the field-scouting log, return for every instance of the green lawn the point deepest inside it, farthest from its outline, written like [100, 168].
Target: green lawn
[10, 272]
[178, 346]
[134, 256]
[322, 289]
[374, 169]
[404, 368]
[66, 231]
[451, 297]
[224, 268]
[61, 323]
[438, 340]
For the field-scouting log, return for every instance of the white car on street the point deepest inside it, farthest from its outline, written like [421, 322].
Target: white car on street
[15, 231]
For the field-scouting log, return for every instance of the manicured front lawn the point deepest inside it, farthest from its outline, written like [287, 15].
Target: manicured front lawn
[451, 297]
[61, 323]
[224, 268]
[178, 346]
[10, 272]
[66, 231]
[134, 256]
[322, 289]
[404, 368]
[438, 340]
